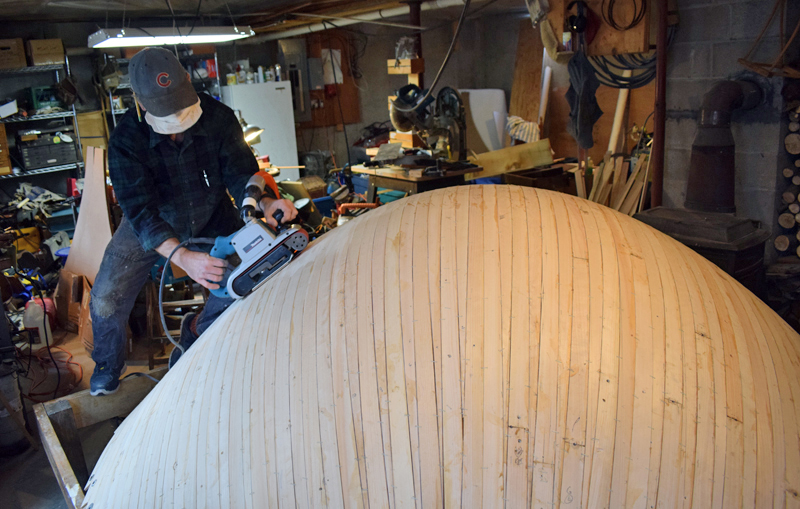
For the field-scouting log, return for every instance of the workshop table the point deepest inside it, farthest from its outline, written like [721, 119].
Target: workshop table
[398, 179]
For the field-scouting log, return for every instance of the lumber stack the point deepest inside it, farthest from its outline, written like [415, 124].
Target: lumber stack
[618, 188]
[478, 346]
[787, 240]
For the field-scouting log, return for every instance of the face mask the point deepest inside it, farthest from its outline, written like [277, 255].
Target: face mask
[177, 122]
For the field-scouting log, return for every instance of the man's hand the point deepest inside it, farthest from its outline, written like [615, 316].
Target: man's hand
[270, 206]
[201, 267]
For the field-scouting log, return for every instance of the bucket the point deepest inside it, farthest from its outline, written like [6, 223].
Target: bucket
[12, 440]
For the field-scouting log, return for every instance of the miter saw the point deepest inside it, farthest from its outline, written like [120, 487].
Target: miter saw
[442, 125]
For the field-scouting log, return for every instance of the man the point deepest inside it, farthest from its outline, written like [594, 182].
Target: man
[172, 172]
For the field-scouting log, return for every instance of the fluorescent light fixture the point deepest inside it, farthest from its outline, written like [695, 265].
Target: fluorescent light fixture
[125, 37]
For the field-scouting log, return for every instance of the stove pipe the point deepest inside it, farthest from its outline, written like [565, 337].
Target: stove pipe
[712, 172]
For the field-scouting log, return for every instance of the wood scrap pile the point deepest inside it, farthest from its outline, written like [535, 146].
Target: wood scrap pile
[619, 188]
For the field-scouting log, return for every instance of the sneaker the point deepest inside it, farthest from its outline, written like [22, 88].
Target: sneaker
[105, 380]
[186, 339]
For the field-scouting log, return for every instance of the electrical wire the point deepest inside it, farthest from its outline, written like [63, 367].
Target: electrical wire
[202, 240]
[130, 375]
[46, 338]
[444, 62]
[607, 10]
[339, 100]
[196, 17]
[609, 69]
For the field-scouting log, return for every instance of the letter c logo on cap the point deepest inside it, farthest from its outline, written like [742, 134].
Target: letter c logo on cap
[163, 80]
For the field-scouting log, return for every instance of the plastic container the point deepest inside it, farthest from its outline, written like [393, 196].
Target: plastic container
[12, 441]
[34, 319]
[62, 254]
[326, 205]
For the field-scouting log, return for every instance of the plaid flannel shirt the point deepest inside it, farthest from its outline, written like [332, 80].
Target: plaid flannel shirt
[170, 190]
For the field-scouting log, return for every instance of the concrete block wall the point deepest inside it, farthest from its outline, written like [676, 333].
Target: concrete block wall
[711, 37]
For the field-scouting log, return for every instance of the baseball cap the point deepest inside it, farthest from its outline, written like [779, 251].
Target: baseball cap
[160, 82]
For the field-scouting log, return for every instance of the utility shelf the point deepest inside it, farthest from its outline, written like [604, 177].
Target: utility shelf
[33, 69]
[40, 171]
[19, 118]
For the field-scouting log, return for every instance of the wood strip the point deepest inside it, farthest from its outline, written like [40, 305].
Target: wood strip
[434, 274]
[406, 288]
[424, 360]
[348, 302]
[506, 256]
[518, 391]
[452, 431]
[301, 469]
[379, 330]
[312, 449]
[331, 465]
[404, 484]
[566, 289]
[536, 270]
[473, 355]
[595, 331]
[368, 377]
[491, 370]
[628, 355]
[574, 442]
[546, 426]
[605, 427]
[260, 458]
[344, 386]
[70, 488]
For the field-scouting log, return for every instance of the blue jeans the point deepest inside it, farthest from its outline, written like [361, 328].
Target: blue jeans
[123, 272]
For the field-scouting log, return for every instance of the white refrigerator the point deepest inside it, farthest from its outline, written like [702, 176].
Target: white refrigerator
[268, 105]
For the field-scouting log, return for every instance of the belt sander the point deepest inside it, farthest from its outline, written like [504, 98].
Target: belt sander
[255, 253]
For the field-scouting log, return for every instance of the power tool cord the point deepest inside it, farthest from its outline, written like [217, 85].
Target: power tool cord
[201, 240]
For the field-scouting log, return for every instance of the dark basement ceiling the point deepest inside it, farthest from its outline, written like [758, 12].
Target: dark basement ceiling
[262, 15]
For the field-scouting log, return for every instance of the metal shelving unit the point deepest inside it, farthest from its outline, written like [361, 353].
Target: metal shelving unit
[32, 69]
[40, 171]
[20, 118]
[59, 70]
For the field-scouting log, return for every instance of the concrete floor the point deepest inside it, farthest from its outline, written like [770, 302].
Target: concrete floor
[26, 480]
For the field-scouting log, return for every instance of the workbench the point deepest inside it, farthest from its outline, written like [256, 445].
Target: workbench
[403, 179]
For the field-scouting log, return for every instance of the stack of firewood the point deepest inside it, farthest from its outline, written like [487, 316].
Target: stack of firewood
[788, 242]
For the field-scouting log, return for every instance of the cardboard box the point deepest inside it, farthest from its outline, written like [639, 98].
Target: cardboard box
[8, 108]
[12, 54]
[5, 159]
[45, 52]
[93, 129]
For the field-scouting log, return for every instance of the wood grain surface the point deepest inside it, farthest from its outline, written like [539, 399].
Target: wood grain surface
[93, 231]
[478, 346]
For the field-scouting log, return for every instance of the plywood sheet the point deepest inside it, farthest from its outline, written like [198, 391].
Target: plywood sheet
[608, 40]
[527, 86]
[478, 346]
[642, 102]
[93, 231]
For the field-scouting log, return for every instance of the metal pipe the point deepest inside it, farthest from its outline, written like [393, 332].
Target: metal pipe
[657, 153]
[711, 183]
[380, 14]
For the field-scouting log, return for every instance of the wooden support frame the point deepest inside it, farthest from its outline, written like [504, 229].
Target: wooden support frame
[59, 421]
